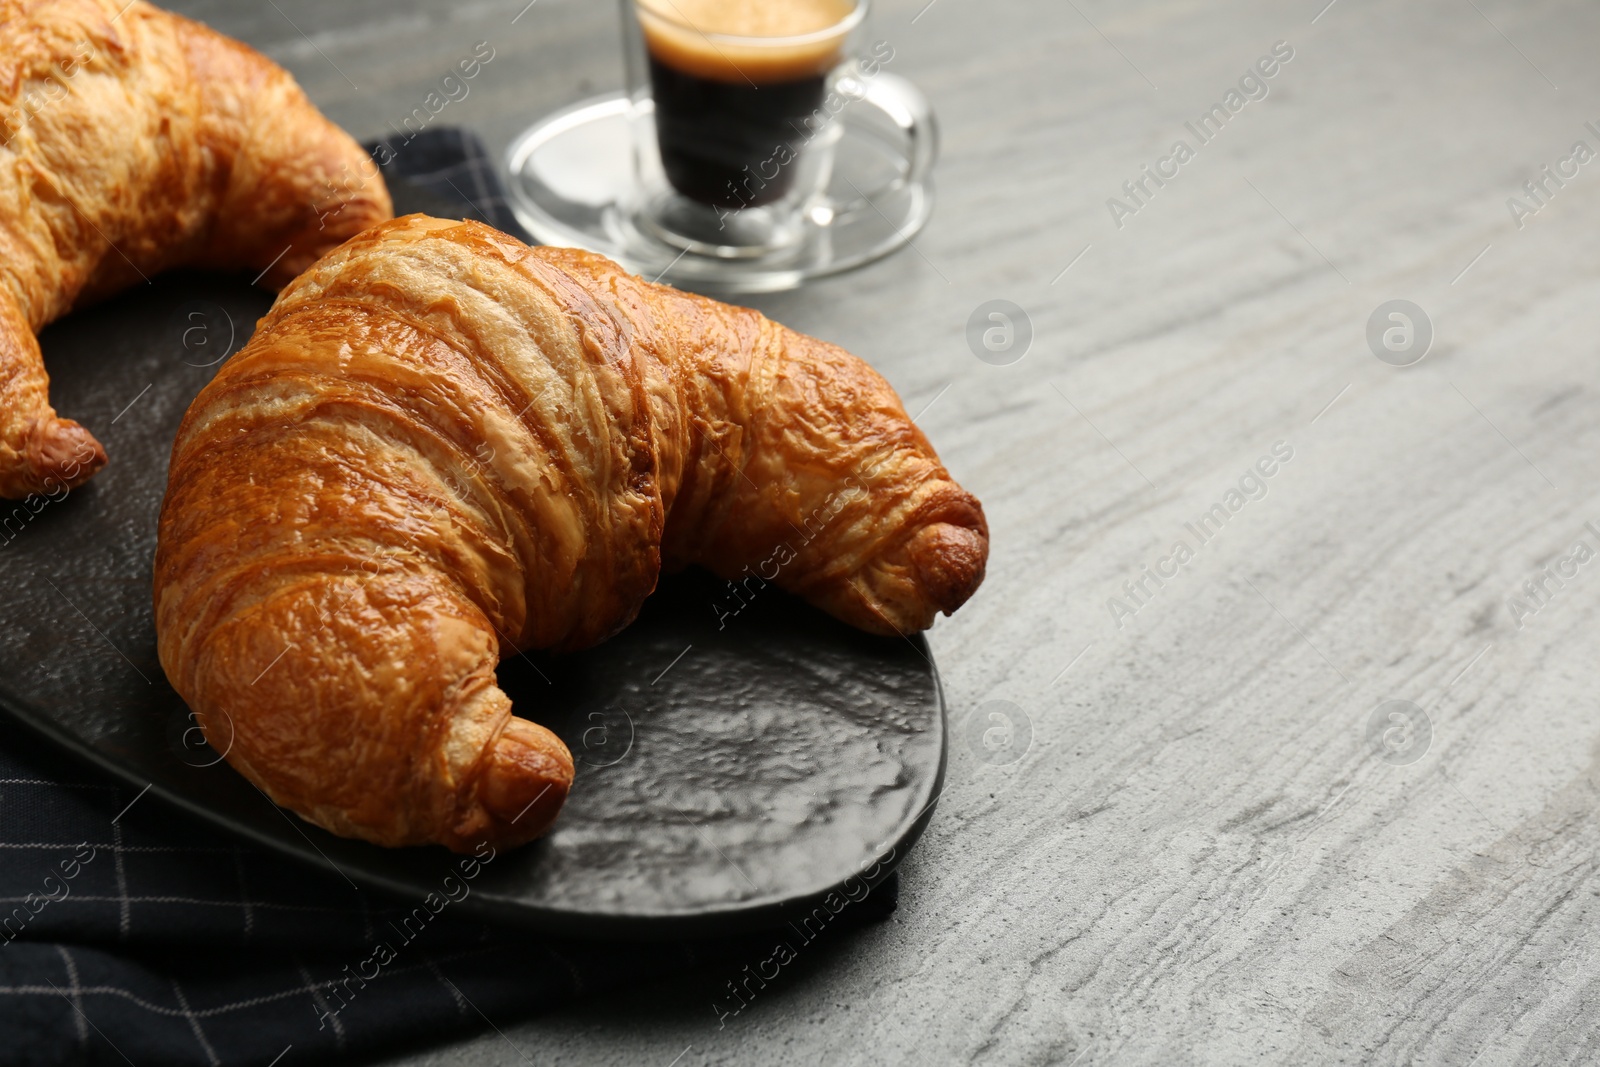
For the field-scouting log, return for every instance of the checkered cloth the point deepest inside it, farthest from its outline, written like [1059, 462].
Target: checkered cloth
[130, 934]
[446, 172]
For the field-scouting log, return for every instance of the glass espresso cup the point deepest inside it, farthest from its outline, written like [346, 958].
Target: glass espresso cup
[734, 104]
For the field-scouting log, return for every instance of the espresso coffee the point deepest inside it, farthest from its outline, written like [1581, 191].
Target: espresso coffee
[737, 86]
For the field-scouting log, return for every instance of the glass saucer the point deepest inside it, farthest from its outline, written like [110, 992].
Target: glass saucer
[573, 183]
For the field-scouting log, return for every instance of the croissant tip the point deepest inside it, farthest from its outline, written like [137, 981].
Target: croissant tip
[524, 786]
[950, 562]
[63, 454]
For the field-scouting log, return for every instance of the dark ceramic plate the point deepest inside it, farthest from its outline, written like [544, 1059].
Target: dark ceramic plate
[733, 769]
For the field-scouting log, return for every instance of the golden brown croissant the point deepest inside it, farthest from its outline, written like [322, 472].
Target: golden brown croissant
[131, 141]
[441, 445]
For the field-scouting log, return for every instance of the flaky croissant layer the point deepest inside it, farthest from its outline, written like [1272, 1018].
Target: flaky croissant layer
[132, 141]
[441, 446]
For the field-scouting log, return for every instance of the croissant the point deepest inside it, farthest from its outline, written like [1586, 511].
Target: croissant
[442, 446]
[132, 141]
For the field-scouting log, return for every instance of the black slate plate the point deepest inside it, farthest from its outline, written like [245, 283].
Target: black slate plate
[733, 769]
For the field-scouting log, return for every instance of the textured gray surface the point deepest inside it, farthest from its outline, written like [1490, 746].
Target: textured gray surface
[1202, 858]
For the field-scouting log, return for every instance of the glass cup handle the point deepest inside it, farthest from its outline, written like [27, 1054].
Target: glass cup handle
[907, 108]
[903, 102]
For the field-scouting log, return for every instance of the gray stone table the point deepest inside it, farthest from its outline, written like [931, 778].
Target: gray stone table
[1219, 847]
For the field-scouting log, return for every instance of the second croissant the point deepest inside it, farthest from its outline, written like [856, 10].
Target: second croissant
[133, 141]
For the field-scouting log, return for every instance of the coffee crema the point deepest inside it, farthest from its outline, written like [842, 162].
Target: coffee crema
[747, 41]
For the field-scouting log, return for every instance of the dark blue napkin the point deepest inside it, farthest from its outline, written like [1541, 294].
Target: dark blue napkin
[130, 934]
[447, 173]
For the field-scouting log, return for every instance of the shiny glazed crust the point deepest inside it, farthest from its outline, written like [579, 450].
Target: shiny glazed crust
[442, 446]
[133, 141]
